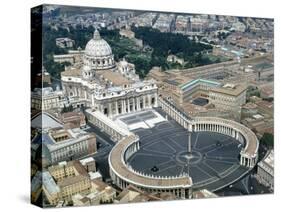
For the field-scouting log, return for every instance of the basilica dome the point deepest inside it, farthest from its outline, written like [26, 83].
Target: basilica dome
[97, 47]
[98, 55]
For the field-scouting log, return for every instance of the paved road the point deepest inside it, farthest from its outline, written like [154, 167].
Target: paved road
[248, 185]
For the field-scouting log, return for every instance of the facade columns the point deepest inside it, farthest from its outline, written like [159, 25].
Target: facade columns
[128, 105]
[122, 106]
[93, 99]
[109, 110]
[116, 108]
[149, 100]
[134, 104]
[101, 109]
[139, 100]
[138, 103]
[156, 100]
[143, 101]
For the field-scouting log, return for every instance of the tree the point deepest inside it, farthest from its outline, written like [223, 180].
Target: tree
[162, 44]
[267, 140]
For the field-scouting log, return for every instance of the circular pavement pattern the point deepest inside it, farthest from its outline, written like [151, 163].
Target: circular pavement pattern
[188, 158]
[213, 162]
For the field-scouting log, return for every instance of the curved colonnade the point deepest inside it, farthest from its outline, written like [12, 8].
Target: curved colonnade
[249, 141]
[181, 186]
[123, 175]
[249, 152]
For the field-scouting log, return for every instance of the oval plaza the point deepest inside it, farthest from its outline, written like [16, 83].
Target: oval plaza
[181, 184]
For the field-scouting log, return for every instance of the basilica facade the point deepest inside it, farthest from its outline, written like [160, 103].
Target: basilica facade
[98, 82]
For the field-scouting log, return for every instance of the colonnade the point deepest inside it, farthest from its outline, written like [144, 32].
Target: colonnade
[107, 125]
[181, 186]
[175, 113]
[123, 175]
[180, 192]
[245, 159]
[219, 125]
[134, 147]
[219, 128]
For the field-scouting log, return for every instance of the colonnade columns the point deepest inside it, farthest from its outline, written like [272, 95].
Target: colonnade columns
[131, 150]
[233, 133]
[252, 162]
[248, 162]
[241, 160]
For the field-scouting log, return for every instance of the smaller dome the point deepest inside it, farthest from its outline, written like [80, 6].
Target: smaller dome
[123, 61]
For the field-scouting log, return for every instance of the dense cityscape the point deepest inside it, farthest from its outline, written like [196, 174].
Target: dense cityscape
[135, 106]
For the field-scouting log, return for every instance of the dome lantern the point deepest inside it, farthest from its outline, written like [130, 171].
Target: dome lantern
[96, 35]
